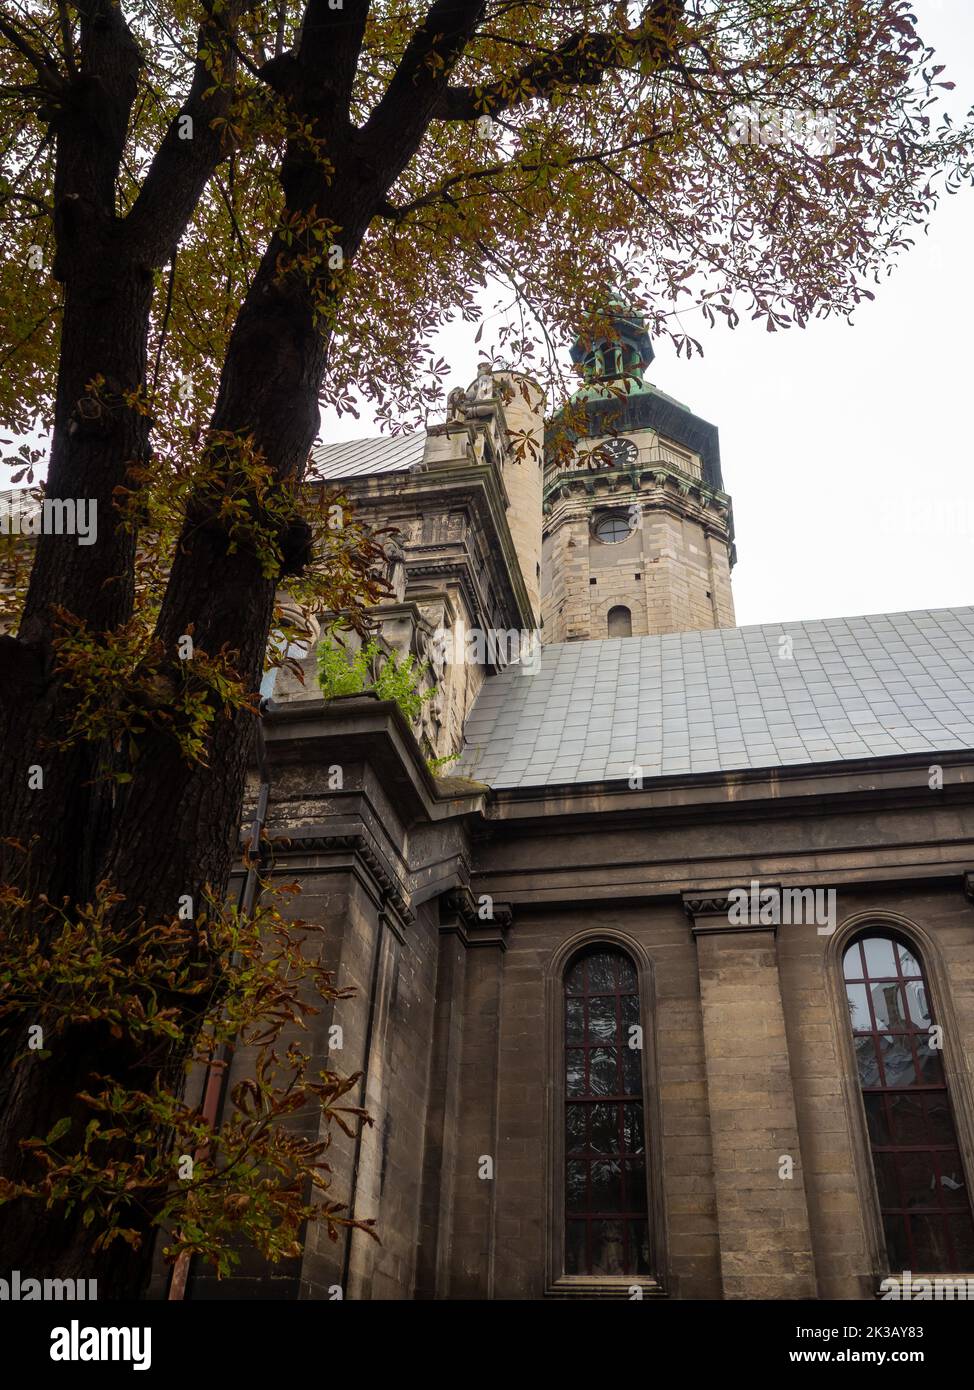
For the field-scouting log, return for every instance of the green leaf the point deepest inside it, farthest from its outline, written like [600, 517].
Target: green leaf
[58, 1130]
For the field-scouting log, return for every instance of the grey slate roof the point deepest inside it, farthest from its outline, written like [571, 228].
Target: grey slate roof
[688, 702]
[381, 454]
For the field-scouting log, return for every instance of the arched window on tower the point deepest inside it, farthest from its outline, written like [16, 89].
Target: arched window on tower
[920, 1181]
[620, 621]
[606, 1221]
[612, 360]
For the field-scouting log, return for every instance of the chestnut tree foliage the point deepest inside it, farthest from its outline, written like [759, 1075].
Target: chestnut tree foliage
[219, 216]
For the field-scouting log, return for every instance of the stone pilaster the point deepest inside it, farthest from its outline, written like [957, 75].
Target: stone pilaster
[762, 1214]
[368, 1169]
[442, 1124]
[471, 1271]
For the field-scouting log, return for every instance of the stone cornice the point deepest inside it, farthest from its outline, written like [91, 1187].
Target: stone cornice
[452, 484]
[796, 789]
[463, 918]
[364, 728]
[714, 519]
[709, 913]
[590, 481]
[311, 840]
[406, 845]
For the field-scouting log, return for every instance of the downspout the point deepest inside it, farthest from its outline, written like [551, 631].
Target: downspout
[218, 1069]
[366, 1068]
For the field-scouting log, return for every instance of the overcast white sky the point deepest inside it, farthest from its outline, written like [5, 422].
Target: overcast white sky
[847, 450]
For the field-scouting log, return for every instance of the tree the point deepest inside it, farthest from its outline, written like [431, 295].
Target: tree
[221, 214]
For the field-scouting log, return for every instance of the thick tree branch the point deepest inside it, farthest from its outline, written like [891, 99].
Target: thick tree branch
[395, 128]
[331, 42]
[318, 74]
[582, 59]
[46, 69]
[91, 118]
[192, 146]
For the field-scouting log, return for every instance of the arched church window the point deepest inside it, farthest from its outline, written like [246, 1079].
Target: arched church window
[920, 1180]
[611, 360]
[606, 1220]
[620, 621]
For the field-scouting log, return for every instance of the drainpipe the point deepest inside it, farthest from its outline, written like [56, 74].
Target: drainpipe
[366, 1068]
[218, 1069]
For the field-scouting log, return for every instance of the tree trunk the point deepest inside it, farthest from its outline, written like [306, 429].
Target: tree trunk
[104, 334]
[172, 830]
[55, 1243]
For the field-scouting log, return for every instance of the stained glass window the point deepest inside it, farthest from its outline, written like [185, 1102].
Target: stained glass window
[606, 1215]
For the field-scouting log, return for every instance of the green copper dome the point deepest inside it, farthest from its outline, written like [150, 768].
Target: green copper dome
[617, 359]
[617, 400]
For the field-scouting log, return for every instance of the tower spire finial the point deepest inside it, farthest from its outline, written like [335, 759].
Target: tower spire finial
[615, 345]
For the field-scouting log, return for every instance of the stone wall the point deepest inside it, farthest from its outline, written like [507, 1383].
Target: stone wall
[672, 571]
[453, 912]
[753, 1057]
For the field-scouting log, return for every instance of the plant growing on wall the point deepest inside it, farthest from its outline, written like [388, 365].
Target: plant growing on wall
[138, 1158]
[341, 672]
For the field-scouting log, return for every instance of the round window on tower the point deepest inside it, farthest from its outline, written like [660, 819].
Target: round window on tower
[613, 528]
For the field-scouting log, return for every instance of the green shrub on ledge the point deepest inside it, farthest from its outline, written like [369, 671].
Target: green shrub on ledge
[341, 672]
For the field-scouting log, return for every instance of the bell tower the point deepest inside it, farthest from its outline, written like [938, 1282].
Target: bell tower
[638, 532]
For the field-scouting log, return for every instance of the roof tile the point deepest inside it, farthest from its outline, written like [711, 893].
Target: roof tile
[898, 682]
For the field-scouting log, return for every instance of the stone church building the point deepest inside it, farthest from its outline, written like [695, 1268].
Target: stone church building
[665, 987]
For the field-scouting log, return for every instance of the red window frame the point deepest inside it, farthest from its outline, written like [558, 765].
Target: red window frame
[912, 1228]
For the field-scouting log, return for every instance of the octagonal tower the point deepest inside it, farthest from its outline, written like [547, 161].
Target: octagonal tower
[638, 532]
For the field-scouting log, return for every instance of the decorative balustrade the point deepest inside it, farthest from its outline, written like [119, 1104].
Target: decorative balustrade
[601, 459]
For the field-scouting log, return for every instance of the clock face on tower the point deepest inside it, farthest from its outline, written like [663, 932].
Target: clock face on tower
[617, 453]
